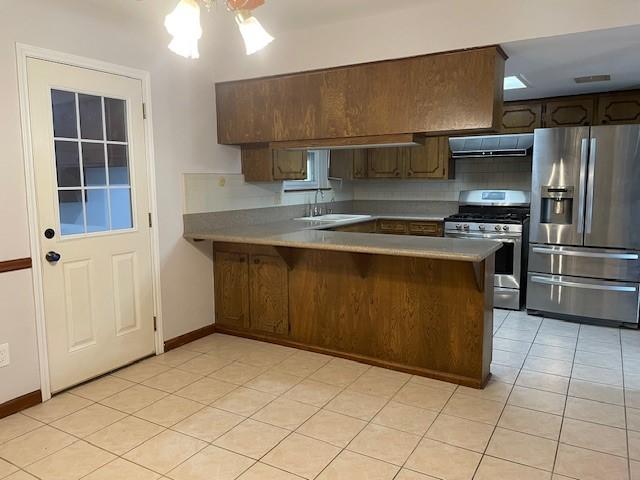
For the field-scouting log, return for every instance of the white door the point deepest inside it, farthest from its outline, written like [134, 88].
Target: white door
[93, 201]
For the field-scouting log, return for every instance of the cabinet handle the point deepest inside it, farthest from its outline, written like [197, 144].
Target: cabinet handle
[256, 261]
[397, 174]
[409, 174]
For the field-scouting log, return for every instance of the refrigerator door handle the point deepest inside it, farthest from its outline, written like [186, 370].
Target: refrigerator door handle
[584, 152]
[577, 253]
[589, 286]
[590, 186]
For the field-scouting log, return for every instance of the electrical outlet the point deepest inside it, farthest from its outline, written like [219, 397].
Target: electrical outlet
[4, 355]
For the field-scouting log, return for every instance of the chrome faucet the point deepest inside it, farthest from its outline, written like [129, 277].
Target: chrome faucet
[317, 210]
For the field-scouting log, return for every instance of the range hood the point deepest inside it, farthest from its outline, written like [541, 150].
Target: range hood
[517, 145]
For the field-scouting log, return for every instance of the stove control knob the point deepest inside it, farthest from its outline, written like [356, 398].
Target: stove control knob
[498, 227]
[481, 227]
[466, 227]
[505, 228]
[458, 227]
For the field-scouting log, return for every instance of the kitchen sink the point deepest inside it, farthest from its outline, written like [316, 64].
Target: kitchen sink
[335, 217]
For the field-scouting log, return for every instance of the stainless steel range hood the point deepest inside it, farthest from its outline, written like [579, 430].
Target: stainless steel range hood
[517, 145]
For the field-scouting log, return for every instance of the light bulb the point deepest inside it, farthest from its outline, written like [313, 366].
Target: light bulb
[184, 25]
[254, 35]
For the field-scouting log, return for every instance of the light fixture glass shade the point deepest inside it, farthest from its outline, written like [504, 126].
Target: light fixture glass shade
[184, 25]
[254, 35]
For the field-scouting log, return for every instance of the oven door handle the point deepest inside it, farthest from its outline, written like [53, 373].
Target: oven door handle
[484, 236]
[577, 253]
[589, 286]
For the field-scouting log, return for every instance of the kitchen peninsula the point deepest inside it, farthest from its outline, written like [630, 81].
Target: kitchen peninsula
[418, 304]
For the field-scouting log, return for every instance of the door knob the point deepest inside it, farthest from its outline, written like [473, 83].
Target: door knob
[52, 257]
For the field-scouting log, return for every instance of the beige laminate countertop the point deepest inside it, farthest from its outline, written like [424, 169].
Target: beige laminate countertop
[314, 235]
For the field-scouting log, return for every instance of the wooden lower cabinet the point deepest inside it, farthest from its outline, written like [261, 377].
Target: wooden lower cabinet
[231, 277]
[361, 227]
[398, 227]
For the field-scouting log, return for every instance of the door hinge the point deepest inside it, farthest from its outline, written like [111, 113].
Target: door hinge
[155, 324]
[144, 110]
[150, 221]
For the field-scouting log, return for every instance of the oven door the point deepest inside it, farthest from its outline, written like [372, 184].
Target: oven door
[508, 263]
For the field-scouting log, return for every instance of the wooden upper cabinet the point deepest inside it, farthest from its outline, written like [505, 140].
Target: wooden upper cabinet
[443, 92]
[618, 108]
[269, 287]
[431, 160]
[231, 276]
[386, 162]
[264, 164]
[348, 164]
[521, 117]
[569, 112]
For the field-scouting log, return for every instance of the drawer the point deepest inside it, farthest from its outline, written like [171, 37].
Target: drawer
[392, 226]
[431, 229]
[583, 297]
[585, 262]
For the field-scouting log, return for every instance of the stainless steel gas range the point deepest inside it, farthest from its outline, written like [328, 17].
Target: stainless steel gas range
[503, 216]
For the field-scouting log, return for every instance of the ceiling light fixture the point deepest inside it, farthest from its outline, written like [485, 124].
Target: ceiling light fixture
[593, 78]
[183, 23]
[514, 82]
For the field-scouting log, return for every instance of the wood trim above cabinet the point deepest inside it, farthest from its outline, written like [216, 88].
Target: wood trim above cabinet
[16, 264]
[355, 142]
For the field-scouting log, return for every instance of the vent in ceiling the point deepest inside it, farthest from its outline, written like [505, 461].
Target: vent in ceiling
[592, 79]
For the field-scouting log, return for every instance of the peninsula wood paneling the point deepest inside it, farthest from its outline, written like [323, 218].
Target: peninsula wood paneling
[445, 92]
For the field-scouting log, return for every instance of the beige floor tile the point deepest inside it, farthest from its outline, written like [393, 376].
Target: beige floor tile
[212, 463]
[597, 375]
[244, 401]
[59, 406]
[594, 437]
[523, 448]
[70, 463]
[531, 421]
[88, 420]
[6, 469]
[340, 372]
[15, 425]
[357, 467]
[301, 455]
[252, 439]
[373, 383]
[275, 383]
[634, 445]
[312, 392]
[494, 390]
[133, 399]
[506, 331]
[421, 396]
[204, 364]
[102, 388]
[557, 353]
[405, 417]
[533, 399]
[461, 432]
[208, 424]
[510, 345]
[206, 390]
[635, 469]
[602, 360]
[548, 365]
[589, 465]
[632, 398]
[302, 364]
[597, 412]
[355, 404]
[141, 371]
[432, 382]
[21, 475]
[504, 373]
[124, 435]
[175, 357]
[34, 445]
[171, 380]
[166, 451]
[285, 413]
[169, 410]
[596, 391]
[331, 427]
[263, 357]
[472, 408]
[543, 381]
[633, 419]
[510, 359]
[383, 443]
[443, 461]
[261, 471]
[411, 475]
[237, 372]
[555, 340]
[496, 469]
[121, 469]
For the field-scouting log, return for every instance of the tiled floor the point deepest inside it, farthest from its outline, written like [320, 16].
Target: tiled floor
[564, 402]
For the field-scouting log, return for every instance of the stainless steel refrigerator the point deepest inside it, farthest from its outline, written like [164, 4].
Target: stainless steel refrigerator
[584, 241]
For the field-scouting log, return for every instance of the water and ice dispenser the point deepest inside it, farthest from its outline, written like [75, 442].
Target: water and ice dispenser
[556, 205]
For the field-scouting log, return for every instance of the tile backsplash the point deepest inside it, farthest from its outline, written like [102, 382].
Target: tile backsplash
[471, 173]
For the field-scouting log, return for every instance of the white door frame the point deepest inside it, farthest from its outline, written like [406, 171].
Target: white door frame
[28, 51]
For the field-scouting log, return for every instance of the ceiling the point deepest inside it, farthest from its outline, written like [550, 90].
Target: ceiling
[550, 64]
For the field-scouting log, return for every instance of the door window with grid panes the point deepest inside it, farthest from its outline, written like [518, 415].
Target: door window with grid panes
[92, 163]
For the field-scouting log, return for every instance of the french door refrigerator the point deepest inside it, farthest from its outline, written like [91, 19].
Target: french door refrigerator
[584, 237]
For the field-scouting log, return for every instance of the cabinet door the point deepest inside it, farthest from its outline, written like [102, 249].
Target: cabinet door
[426, 229]
[385, 162]
[269, 294]
[257, 163]
[430, 160]
[341, 163]
[397, 227]
[231, 274]
[618, 108]
[360, 167]
[569, 112]
[362, 227]
[289, 164]
[521, 117]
